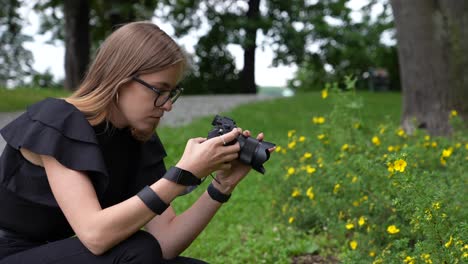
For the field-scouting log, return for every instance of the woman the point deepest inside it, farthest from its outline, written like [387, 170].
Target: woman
[92, 166]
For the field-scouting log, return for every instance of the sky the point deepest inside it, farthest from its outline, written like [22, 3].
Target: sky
[51, 56]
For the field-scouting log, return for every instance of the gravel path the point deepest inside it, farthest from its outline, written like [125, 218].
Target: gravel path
[186, 109]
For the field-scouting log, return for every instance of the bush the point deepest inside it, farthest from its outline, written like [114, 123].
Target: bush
[385, 196]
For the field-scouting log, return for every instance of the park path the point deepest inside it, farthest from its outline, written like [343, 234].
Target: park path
[184, 111]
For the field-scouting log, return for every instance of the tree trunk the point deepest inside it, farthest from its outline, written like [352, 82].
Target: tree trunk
[247, 75]
[77, 41]
[432, 43]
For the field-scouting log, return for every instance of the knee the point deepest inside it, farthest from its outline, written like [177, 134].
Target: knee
[141, 247]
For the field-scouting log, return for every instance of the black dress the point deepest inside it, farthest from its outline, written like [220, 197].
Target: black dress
[117, 164]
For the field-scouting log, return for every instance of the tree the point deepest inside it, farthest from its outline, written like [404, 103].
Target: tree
[432, 46]
[345, 46]
[86, 24]
[238, 22]
[15, 60]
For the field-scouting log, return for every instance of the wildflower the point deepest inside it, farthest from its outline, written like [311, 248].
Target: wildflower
[292, 145]
[336, 188]
[296, 192]
[356, 203]
[372, 254]
[427, 258]
[310, 169]
[390, 148]
[349, 226]
[453, 113]
[353, 244]
[291, 220]
[466, 146]
[345, 147]
[443, 161]
[409, 260]
[324, 93]
[400, 165]
[376, 141]
[291, 171]
[310, 193]
[391, 167]
[436, 205]
[434, 144]
[318, 120]
[362, 221]
[307, 155]
[302, 139]
[291, 133]
[354, 179]
[449, 243]
[278, 149]
[447, 152]
[427, 137]
[400, 132]
[392, 230]
[321, 136]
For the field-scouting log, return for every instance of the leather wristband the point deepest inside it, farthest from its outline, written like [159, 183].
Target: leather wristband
[182, 177]
[152, 200]
[216, 195]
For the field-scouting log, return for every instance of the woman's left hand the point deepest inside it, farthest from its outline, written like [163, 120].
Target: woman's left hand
[228, 179]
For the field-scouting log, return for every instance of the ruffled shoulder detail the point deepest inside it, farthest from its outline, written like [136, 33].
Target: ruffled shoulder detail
[56, 128]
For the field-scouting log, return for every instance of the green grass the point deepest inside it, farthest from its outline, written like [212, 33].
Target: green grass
[245, 230]
[18, 99]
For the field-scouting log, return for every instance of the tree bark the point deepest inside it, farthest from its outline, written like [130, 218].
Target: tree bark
[432, 43]
[247, 75]
[77, 41]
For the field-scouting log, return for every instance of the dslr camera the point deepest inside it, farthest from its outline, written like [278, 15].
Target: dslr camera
[252, 152]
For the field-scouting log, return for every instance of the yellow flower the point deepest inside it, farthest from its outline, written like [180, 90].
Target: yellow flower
[296, 192]
[409, 260]
[376, 141]
[453, 113]
[391, 167]
[321, 136]
[310, 193]
[336, 188]
[443, 161]
[324, 93]
[291, 220]
[401, 132]
[353, 244]
[291, 171]
[302, 139]
[466, 146]
[427, 137]
[278, 149]
[372, 254]
[291, 133]
[447, 152]
[392, 229]
[362, 221]
[307, 155]
[318, 120]
[427, 258]
[310, 169]
[436, 205]
[355, 179]
[390, 148]
[434, 144]
[345, 147]
[400, 165]
[449, 243]
[349, 226]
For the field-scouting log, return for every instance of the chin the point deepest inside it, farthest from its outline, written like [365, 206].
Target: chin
[144, 133]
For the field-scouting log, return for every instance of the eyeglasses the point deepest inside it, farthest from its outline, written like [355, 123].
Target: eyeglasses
[161, 96]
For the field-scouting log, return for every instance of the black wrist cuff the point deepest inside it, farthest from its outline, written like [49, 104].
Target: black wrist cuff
[182, 177]
[152, 200]
[216, 195]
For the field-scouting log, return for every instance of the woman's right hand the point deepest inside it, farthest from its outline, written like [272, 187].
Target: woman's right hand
[202, 157]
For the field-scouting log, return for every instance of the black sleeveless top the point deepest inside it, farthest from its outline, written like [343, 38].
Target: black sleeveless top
[117, 165]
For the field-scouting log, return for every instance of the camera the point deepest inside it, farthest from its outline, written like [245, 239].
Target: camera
[252, 151]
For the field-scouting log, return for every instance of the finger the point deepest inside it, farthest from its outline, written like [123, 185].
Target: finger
[198, 140]
[225, 166]
[232, 148]
[230, 157]
[272, 149]
[246, 133]
[233, 134]
[260, 136]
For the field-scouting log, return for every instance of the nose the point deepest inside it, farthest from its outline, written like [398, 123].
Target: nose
[167, 106]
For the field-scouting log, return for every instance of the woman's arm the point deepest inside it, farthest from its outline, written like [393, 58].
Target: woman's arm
[176, 233]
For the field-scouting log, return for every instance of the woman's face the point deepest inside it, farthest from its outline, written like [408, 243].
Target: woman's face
[136, 102]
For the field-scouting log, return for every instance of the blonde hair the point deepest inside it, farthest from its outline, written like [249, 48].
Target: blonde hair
[133, 49]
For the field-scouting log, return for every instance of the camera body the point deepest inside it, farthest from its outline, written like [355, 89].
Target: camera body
[252, 151]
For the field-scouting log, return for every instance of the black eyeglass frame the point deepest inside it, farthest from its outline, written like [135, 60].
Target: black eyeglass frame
[174, 94]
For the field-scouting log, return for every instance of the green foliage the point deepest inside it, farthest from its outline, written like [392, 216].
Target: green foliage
[347, 47]
[15, 60]
[19, 98]
[385, 196]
